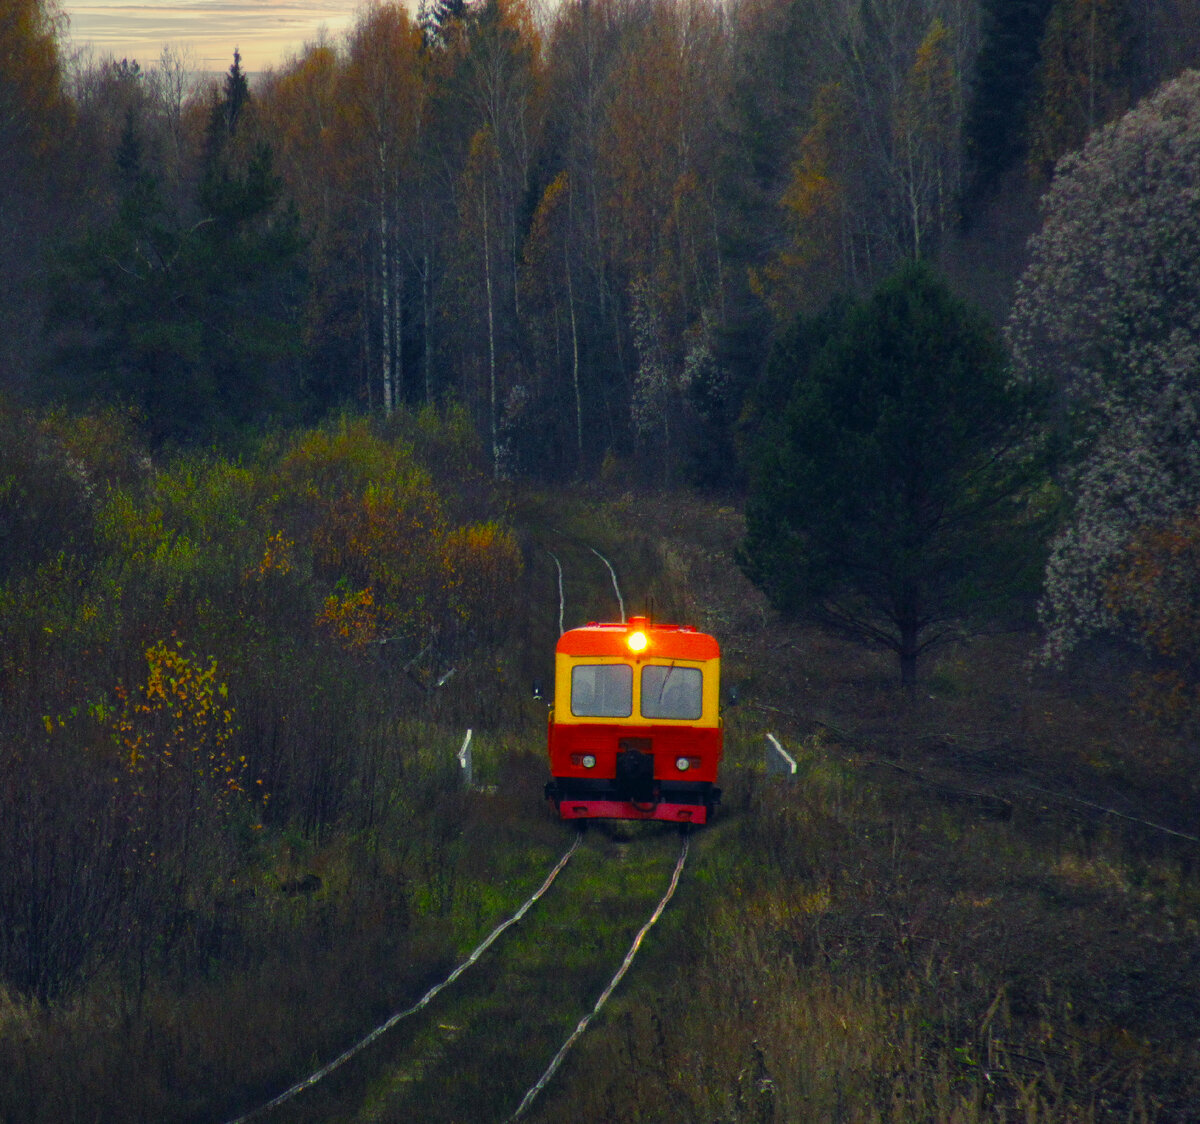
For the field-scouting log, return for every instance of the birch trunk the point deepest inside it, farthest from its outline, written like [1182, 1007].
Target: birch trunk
[491, 326]
[574, 358]
[385, 290]
[397, 331]
[364, 322]
[427, 314]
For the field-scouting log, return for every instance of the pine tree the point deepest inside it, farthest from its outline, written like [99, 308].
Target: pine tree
[192, 320]
[1002, 95]
[891, 497]
[228, 107]
[438, 20]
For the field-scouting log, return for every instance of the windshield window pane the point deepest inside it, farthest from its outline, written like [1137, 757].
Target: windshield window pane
[602, 690]
[671, 692]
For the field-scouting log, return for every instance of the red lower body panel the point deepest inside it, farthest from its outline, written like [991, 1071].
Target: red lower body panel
[628, 810]
[634, 771]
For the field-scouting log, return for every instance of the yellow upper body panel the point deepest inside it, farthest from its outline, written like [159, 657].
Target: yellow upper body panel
[633, 691]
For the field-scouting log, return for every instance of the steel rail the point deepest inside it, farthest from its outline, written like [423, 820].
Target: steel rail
[577, 1033]
[384, 1027]
[562, 599]
[873, 757]
[613, 574]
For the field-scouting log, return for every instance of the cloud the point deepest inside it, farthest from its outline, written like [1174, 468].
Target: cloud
[265, 31]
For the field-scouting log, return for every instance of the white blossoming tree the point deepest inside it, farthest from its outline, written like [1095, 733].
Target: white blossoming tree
[1109, 308]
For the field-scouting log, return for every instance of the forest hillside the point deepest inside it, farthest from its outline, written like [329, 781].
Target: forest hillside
[863, 335]
[585, 224]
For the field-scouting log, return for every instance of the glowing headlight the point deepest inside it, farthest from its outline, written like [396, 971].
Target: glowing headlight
[682, 764]
[589, 760]
[637, 641]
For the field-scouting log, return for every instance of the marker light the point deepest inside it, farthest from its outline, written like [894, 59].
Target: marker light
[683, 764]
[589, 761]
[637, 641]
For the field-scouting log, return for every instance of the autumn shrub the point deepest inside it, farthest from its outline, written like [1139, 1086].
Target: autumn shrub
[312, 570]
[62, 867]
[58, 626]
[178, 541]
[117, 813]
[229, 655]
[481, 564]
[383, 538]
[384, 543]
[1154, 590]
[104, 444]
[181, 789]
[45, 496]
[60, 831]
[446, 443]
[340, 458]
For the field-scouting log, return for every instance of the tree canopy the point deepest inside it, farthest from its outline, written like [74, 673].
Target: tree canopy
[893, 496]
[585, 225]
[189, 314]
[1109, 308]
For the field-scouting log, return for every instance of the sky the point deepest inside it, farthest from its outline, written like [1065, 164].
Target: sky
[206, 32]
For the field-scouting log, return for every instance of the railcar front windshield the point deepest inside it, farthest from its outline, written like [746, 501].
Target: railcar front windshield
[672, 692]
[603, 690]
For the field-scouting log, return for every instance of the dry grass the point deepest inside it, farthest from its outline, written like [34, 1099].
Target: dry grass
[911, 932]
[872, 942]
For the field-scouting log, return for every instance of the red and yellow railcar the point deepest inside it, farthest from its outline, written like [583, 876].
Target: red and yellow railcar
[635, 732]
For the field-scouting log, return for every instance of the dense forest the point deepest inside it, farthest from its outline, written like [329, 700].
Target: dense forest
[582, 223]
[841, 326]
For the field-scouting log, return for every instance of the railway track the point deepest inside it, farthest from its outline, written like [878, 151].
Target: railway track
[583, 578]
[995, 791]
[483, 1043]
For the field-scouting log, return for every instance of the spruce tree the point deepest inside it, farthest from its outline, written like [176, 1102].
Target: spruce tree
[891, 496]
[1002, 95]
[193, 318]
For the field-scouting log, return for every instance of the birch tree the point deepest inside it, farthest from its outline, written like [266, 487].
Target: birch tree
[481, 277]
[384, 99]
[662, 232]
[551, 316]
[302, 110]
[877, 171]
[33, 106]
[1084, 77]
[583, 49]
[927, 124]
[497, 81]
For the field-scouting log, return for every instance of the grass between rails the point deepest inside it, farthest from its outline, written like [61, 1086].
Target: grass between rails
[474, 1057]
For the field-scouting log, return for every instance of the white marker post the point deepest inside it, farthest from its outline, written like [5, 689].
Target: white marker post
[779, 761]
[465, 763]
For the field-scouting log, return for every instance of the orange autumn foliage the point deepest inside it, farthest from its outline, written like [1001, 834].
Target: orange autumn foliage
[178, 724]
[1155, 591]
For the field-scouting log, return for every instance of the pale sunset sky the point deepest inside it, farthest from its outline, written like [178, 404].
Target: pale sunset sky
[206, 31]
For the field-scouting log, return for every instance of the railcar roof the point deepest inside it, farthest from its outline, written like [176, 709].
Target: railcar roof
[664, 641]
